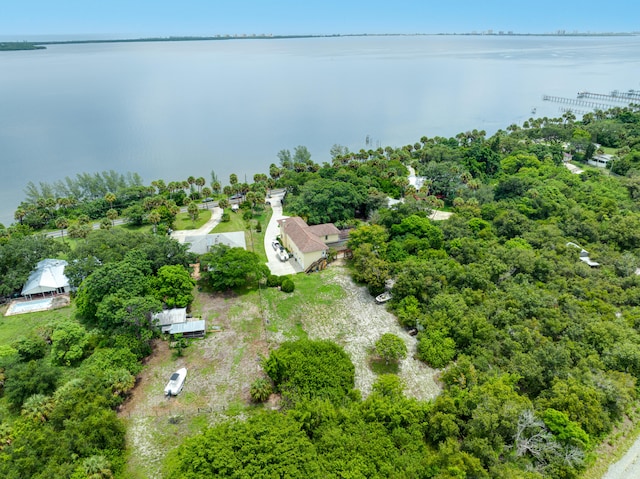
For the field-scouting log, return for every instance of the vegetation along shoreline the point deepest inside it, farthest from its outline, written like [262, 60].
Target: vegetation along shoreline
[508, 344]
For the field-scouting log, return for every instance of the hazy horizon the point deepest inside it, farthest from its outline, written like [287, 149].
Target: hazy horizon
[164, 18]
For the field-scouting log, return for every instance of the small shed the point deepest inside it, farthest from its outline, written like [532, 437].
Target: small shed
[47, 277]
[189, 329]
[168, 317]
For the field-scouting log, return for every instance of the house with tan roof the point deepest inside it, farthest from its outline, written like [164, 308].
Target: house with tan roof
[307, 244]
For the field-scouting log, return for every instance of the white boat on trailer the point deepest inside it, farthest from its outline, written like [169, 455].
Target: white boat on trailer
[176, 382]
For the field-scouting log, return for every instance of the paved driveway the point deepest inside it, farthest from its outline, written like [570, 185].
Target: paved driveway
[216, 215]
[277, 267]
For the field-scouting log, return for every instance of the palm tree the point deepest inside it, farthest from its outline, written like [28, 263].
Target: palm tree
[20, 214]
[200, 182]
[37, 407]
[112, 214]
[110, 198]
[193, 210]
[154, 218]
[61, 224]
[215, 186]
[261, 389]
[97, 467]
[191, 180]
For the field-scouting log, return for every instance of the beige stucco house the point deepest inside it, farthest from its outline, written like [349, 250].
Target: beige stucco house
[307, 244]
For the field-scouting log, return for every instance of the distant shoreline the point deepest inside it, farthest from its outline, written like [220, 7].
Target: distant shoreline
[39, 45]
[16, 46]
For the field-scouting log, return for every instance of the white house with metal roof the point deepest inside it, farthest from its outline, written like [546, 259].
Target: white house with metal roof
[47, 277]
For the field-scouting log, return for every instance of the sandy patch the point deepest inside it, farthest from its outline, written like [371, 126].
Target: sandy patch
[359, 326]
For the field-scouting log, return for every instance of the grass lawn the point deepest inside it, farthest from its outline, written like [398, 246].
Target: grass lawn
[13, 327]
[183, 220]
[253, 239]
[236, 223]
[314, 298]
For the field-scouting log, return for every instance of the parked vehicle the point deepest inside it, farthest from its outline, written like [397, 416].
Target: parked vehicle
[176, 382]
[283, 255]
[384, 297]
[276, 246]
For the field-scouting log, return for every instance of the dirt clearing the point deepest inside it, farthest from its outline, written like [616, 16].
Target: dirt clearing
[358, 323]
[222, 366]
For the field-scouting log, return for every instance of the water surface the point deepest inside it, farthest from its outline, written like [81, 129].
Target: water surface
[174, 109]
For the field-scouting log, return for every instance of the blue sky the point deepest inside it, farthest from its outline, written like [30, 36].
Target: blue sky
[137, 18]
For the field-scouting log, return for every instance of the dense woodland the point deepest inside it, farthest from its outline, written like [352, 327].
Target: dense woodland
[538, 353]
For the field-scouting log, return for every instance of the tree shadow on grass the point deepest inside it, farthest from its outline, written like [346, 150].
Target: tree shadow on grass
[379, 366]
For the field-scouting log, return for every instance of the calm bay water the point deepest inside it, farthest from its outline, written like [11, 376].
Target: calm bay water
[170, 110]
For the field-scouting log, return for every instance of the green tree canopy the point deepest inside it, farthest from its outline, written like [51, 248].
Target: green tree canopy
[173, 285]
[390, 347]
[326, 201]
[311, 369]
[228, 267]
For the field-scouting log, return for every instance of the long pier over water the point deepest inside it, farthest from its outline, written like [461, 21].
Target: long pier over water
[577, 102]
[614, 96]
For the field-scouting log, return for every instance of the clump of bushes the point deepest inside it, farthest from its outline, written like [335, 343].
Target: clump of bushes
[287, 285]
[274, 281]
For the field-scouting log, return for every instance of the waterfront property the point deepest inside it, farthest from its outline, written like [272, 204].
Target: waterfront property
[307, 244]
[47, 277]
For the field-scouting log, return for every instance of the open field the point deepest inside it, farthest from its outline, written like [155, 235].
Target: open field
[325, 305]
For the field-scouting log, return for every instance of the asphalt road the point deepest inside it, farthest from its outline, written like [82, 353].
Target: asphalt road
[120, 221]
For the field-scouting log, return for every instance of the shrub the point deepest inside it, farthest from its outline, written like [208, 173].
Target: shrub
[390, 347]
[225, 218]
[258, 227]
[31, 347]
[307, 369]
[261, 389]
[274, 281]
[287, 286]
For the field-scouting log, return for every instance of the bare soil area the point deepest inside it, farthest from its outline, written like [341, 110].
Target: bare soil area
[222, 366]
[361, 323]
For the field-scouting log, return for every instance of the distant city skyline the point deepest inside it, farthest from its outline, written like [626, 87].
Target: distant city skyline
[163, 18]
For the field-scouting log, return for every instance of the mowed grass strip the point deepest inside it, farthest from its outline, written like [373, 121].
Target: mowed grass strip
[253, 239]
[184, 222]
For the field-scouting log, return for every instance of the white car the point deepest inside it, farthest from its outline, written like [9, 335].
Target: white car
[276, 246]
[283, 255]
